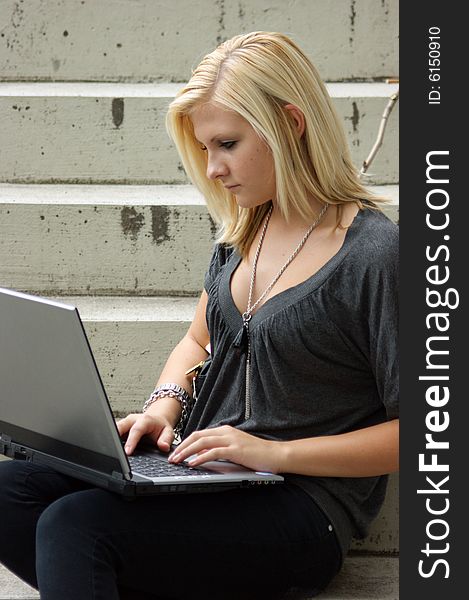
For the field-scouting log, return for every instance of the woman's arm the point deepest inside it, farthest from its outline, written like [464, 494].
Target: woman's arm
[190, 350]
[362, 453]
[161, 417]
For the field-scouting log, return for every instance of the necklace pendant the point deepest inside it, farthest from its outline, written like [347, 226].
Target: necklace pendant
[242, 339]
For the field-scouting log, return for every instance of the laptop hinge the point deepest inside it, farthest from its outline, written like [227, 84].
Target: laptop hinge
[5, 441]
[13, 450]
[117, 475]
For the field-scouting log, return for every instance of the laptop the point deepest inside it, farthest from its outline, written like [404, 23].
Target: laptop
[54, 410]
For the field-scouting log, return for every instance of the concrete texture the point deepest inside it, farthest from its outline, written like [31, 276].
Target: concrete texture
[109, 240]
[113, 250]
[361, 578]
[148, 40]
[91, 133]
[12, 588]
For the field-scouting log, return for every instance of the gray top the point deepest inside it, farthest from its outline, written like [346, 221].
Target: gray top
[324, 360]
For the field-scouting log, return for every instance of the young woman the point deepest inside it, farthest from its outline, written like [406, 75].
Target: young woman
[300, 310]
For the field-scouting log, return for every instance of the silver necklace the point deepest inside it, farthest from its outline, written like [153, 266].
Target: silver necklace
[247, 315]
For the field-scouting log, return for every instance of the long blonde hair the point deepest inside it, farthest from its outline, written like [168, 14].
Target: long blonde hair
[256, 75]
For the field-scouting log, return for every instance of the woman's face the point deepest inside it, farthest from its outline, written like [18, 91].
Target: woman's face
[236, 155]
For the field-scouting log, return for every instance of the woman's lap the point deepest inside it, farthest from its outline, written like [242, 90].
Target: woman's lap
[243, 543]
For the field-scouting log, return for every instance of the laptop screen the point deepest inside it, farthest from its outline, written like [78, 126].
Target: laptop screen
[49, 384]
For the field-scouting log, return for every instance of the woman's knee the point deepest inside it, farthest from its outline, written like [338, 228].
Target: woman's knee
[60, 524]
[62, 544]
[73, 523]
[70, 552]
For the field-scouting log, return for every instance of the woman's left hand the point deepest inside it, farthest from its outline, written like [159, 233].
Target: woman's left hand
[228, 443]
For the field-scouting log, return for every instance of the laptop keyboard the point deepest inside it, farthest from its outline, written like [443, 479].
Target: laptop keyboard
[151, 467]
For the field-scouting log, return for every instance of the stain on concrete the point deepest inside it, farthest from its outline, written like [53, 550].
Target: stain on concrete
[15, 39]
[160, 224]
[20, 108]
[355, 117]
[117, 111]
[221, 37]
[241, 11]
[353, 14]
[17, 15]
[213, 227]
[131, 221]
[55, 64]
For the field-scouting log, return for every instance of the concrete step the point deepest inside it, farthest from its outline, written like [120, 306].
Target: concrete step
[109, 240]
[13, 588]
[113, 40]
[114, 133]
[104, 239]
[361, 578]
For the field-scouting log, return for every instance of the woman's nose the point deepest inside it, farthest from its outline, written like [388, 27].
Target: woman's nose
[216, 168]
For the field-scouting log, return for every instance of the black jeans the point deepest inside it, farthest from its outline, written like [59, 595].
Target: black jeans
[73, 541]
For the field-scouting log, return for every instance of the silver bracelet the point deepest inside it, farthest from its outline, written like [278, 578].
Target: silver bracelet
[172, 390]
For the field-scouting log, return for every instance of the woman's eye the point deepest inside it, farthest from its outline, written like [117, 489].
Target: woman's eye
[227, 145]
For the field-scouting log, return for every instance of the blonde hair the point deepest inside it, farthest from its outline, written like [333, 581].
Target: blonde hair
[256, 75]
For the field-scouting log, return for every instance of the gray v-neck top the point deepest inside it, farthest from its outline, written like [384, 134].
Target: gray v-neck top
[324, 360]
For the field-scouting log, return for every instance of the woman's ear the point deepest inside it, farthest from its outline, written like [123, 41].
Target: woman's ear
[297, 116]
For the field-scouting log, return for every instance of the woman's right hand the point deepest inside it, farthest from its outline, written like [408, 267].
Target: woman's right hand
[156, 427]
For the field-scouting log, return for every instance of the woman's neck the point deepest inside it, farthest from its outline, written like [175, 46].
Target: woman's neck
[297, 223]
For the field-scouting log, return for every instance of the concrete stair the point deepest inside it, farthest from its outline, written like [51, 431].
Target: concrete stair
[114, 133]
[151, 240]
[67, 40]
[95, 207]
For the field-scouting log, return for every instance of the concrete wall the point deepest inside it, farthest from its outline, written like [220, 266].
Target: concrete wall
[70, 132]
[149, 40]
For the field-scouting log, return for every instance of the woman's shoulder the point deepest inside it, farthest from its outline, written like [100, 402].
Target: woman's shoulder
[376, 238]
[221, 254]
[371, 254]
[370, 266]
